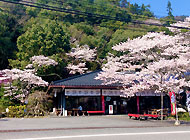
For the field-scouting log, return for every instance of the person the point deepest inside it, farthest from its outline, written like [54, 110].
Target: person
[80, 109]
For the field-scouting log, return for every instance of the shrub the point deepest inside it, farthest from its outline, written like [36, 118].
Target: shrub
[39, 104]
[17, 111]
[184, 116]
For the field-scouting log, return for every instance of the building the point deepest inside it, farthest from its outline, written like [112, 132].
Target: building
[94, 96]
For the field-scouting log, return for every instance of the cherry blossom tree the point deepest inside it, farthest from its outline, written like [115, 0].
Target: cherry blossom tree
[25, 81]
[22, 82]
[80, 55]
[154, 62]
[80, 68]
[40, 61]
[185, 23]
[83, 52]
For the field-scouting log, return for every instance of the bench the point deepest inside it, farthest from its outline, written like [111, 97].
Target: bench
[155, 116]
[145, 116]
[95, 112]
[58, 112]
[74, 113]
[83, 113]
[138, 116]
[158, 111]
[69, 112]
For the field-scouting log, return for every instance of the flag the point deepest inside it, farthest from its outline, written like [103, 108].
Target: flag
[173, 103]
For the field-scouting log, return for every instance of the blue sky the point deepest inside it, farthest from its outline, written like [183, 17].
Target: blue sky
[180, 7]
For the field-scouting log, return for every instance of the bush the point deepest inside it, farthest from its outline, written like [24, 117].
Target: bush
[184, 116]
[1, 110]
[4, 100]
[39, 104]
[17, 111]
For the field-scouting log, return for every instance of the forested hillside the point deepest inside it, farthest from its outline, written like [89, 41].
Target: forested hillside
[96, 24]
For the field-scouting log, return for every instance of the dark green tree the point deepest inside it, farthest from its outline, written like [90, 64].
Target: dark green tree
[4, 100]
[7, 35]
[42, 37]
[169, 9]
[124, 3]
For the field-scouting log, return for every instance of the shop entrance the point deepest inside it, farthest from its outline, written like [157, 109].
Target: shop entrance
[118, 104]
[148, 103]
[91, 103]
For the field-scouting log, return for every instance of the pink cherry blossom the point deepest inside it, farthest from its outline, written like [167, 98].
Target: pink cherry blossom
[83, 52]
[40, 61]
[161, 61]
[80, 68]
[185, 23]
[26, 79]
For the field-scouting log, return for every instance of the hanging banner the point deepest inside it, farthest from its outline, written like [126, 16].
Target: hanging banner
[188, 101]
[173, 103]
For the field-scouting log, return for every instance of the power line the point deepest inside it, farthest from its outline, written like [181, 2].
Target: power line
[70, 2]
[135, 22]
[68, 10]
[92, 4]
[83, 2]
[98, 25]
[59, 1]
[103, 4]
[77, 12]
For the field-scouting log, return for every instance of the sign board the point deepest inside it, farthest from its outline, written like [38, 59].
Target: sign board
[82, 92]
[110, 109]
[173, 103]
[109, 92]
[148, 93]
[114, 102]
[7, 110]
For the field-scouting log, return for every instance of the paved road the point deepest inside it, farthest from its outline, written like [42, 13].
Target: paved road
[91, 128]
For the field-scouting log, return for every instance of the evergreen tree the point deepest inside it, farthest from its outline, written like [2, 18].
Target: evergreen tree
[169, 9]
